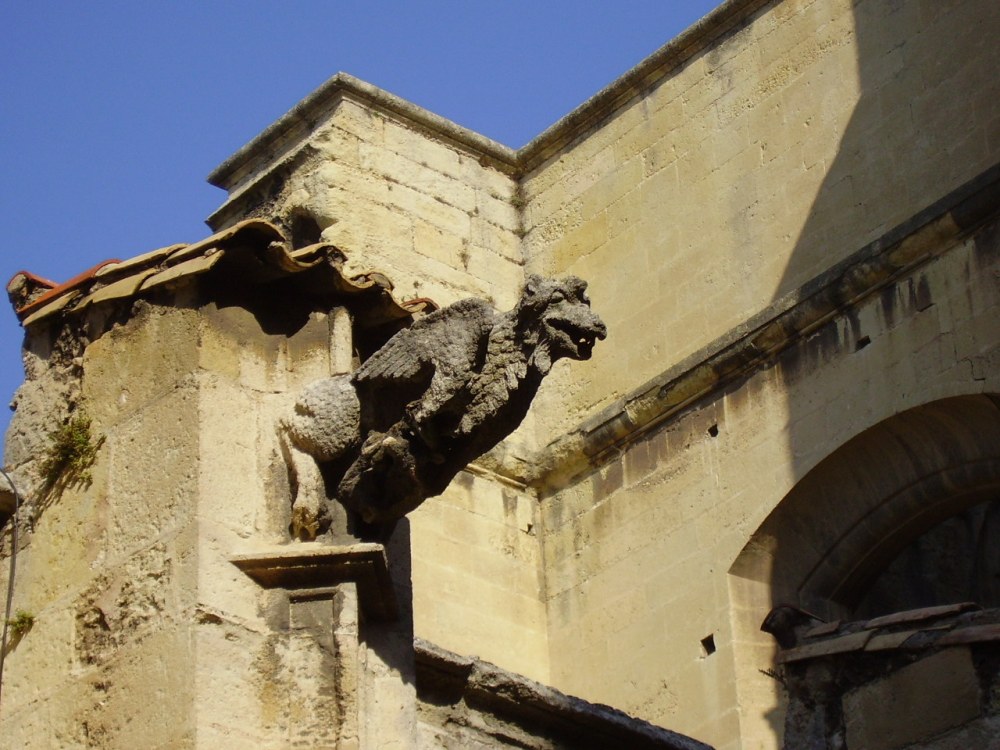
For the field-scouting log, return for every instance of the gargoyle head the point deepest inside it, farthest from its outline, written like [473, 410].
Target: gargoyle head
[566, 326]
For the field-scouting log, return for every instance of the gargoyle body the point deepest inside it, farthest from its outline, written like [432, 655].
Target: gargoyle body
[436, 396]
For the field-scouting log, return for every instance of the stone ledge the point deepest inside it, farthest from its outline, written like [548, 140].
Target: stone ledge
[756, 343]
[310, 568]
[293, 128]
[571, 722]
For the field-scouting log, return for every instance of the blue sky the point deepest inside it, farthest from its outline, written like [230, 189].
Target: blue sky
[113, 113]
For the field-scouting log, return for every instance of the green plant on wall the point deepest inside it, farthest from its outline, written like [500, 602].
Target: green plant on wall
[21, 623]
[71, 452]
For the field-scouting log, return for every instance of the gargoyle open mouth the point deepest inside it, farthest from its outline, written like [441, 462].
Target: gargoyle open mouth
[578, 341]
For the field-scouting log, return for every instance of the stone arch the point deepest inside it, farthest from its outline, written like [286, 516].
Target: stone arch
[830, 537]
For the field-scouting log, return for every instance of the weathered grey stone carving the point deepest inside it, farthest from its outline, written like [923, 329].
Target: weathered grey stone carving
[435, 397]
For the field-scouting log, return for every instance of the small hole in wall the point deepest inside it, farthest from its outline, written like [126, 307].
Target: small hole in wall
[862, 343]
[708, 644]
[304, 229]
[714, 430]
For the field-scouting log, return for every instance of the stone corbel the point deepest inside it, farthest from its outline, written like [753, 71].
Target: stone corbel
[306, 570]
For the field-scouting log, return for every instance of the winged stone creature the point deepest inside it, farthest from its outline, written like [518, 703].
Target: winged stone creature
[436, 396]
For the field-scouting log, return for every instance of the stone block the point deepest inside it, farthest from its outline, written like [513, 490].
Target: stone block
[360, 121]
[412, 143]
[497, 240]
[411, 169]
[152, 472]
[914, 703]
[611, 187]
[134, 365]
[337, 143]
[502, 210]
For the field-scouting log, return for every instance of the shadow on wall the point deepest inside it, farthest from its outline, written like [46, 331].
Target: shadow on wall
[921, 126]
[919, 130]
[865, 532]
[927, 476]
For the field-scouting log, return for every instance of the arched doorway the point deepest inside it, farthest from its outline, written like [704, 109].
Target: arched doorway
[906, 508]
[903, 515]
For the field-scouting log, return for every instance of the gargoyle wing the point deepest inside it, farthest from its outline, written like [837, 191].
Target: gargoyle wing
[448, 339]
[423, 373]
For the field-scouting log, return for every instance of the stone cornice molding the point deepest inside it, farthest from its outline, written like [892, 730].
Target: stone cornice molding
[756, 343]
[314, 569]
[636, 82]
[283, 137]
[444, 677]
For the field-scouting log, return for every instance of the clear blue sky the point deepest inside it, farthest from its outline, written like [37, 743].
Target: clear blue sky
[113, 112]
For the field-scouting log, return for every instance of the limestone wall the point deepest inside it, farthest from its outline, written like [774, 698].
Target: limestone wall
[800, 136]
[477, 571]
[638, 556]
[724, 196]
[438, 219]
[105, 569]
[145, 634]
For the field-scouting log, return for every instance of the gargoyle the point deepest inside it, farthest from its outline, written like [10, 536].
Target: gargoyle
[436, 396]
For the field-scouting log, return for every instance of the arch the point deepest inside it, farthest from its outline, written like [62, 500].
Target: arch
[829, 538]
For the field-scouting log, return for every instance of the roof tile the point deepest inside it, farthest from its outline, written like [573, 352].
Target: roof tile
[261, 243]
[916, 615]
[842, 644]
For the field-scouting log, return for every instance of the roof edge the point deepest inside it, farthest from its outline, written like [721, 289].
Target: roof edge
[485, 687]
[313, 108]
[633, 83]
[37, 299]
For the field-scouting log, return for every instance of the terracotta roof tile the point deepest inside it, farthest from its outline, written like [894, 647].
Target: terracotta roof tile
[915, 629]
[51, 308]
[191, 267]
[122, 288]
[973, 634]
[888, 641]
[826, 647]
[260, 248]
[146, 260]
[76, 282]
[916, 615]
[825, 629]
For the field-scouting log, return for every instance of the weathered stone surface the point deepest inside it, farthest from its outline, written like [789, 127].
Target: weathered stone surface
[913, 704]
[466, 702]
[761, 209]
[435, 397]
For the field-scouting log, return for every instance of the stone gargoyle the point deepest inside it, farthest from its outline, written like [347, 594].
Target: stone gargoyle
[436, 396]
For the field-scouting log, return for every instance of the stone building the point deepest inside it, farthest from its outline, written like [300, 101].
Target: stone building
[788, 220]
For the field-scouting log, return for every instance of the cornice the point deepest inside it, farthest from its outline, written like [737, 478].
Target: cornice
[287, 133]
[756, 343]
[634, 84]
[291, 130]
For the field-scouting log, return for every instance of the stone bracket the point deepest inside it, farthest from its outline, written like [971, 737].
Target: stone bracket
[304, 569]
